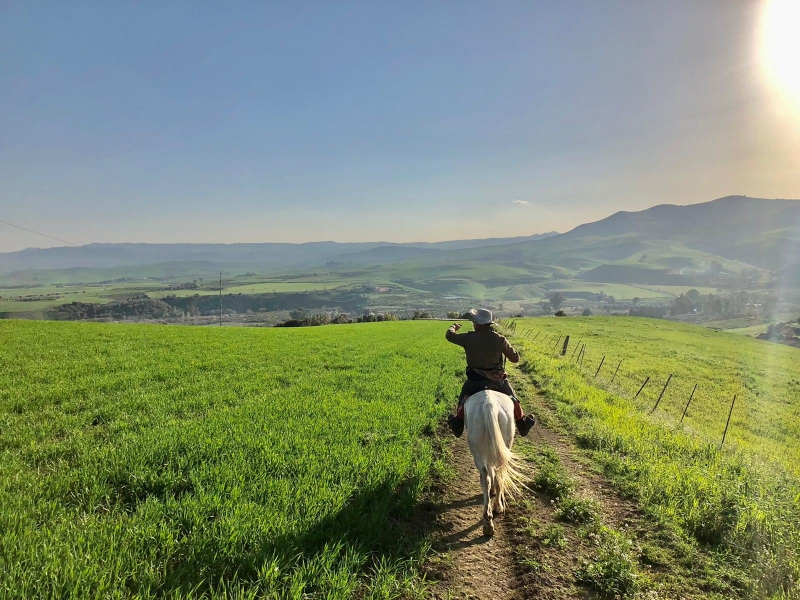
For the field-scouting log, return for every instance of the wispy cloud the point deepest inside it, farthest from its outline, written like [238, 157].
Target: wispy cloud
[520, 202]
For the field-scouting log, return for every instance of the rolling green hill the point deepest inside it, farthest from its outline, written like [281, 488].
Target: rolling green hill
[683, 246]
[264, 256]
[729, 242]
[737, 231]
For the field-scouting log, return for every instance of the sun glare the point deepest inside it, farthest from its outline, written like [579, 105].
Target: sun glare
[780, 45]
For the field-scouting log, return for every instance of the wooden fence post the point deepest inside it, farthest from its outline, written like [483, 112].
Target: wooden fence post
[600, 367]
[687, 404]
[564, 349]
[728, 423]
[661, 395]
[641, 388]
[615, 371]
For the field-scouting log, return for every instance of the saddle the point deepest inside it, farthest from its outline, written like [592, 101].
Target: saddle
[498, 375]
[488, 385]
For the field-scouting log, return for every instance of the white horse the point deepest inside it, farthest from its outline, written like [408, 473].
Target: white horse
[490, 431]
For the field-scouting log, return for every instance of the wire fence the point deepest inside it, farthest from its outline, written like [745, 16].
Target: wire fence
[648, 393]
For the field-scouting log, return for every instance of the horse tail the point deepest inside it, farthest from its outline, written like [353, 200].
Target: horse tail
[503, 464]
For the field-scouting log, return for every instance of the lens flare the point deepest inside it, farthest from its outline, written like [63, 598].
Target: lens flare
[780, 45]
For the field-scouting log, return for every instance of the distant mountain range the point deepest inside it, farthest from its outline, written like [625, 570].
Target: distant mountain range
[659, 245]
[735, 230]
[761, 232]
[259, 255]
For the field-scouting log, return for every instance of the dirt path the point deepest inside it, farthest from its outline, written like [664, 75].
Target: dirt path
[533, 553]
[515, 563]
[471, 565]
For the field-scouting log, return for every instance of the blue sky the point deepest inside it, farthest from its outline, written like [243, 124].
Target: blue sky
[248, 121]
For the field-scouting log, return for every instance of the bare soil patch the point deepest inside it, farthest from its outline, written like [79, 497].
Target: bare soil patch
[468, 564]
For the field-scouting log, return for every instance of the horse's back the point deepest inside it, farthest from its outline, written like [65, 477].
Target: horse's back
[490, 433]
[496, 402]
[489, 415]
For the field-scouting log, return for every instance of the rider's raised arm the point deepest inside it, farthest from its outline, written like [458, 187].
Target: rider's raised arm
[509, 351]
[454, 337]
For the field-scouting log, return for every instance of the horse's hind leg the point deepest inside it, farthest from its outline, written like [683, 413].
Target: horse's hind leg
[487, 483]
[498, 504]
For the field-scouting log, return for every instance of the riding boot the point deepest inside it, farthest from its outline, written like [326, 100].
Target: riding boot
[456, 425]
[524, 424]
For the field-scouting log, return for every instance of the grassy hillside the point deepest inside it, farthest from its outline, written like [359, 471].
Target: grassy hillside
[740, 500]
[753, 230]
[764, 376]
[16, 306]
[171, 271]
[147, 460]
[736, 232]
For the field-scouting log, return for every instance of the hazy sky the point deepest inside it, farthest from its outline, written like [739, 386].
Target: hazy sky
[299, 121]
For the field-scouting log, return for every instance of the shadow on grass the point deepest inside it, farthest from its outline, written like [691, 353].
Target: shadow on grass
[383, 523]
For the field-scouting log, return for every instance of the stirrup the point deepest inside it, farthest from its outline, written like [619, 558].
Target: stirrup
[456, 425]
[525, 424]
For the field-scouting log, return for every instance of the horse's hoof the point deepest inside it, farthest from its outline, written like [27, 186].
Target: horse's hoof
[488, 529]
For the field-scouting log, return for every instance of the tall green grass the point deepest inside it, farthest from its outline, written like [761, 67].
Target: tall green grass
[743, 501]
[764, 377]
[155, 461]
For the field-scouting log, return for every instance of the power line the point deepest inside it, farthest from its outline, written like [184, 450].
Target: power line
[37, 233]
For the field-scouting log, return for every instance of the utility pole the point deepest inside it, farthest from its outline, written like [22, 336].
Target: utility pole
[220, 299]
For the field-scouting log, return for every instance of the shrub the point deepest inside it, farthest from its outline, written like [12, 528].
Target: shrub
[554, 536]
[577, 510]
[553, 480]
[614, 572]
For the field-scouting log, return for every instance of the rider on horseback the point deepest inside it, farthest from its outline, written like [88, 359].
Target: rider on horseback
[485, 349]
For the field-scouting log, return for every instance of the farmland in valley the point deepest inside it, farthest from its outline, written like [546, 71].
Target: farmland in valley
[144, 460]
[652, 256]
[741, 499]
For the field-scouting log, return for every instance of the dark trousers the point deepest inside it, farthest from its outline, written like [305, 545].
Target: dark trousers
[475, 383]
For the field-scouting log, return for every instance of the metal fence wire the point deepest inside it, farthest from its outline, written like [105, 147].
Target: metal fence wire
[646, 394]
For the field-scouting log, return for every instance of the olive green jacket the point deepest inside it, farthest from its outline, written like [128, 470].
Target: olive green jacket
[485, 348]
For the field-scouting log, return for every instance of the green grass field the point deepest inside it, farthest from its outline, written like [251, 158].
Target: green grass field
[154, 461]
[94, 289]
[665, 254]
[253, 288]
[65, 294]
[11, 306]
[751, 331]
[742, 500]
[618, 290]
[682, 289]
